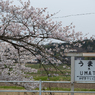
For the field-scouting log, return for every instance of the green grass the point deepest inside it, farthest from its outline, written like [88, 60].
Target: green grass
[36, 66]
[65, 89]
[79, 89]
[57, 78]
[55, 88]
[11, 87]
[42, 75]
[51, 88]
[43, 78]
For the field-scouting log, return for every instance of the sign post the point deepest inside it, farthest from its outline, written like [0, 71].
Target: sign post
[72, 73]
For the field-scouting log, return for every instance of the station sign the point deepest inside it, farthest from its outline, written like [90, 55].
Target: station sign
[85, 70]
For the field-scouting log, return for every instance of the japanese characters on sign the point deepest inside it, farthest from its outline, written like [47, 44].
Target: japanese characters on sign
[85, 70]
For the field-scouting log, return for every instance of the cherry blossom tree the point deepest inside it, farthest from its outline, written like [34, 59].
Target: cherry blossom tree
[10, 70]
[26, 29]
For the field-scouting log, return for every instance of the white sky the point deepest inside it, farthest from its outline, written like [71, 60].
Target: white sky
[83, 23]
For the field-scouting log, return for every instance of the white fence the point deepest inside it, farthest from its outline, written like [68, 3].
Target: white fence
[40, 87]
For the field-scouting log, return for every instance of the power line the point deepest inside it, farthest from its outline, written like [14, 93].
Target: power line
[73, 15]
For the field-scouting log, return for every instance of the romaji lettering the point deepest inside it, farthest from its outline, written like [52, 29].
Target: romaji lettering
[93, 72]
[86, 73]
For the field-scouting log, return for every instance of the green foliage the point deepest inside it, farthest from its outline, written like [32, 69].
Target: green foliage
[10, 69]
[5, 66]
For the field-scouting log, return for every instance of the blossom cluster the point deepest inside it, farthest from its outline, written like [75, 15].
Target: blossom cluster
[12, 71]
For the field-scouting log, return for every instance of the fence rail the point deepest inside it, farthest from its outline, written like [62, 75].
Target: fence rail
[40, 87]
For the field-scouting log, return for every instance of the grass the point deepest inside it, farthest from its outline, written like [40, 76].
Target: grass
[65, 89]
[36, 66]
[78, 89]
[11, 87]
[57, 78]
[55, 88]
[52, 88]
[41, 74]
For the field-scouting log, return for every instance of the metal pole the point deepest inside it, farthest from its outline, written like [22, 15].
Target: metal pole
[72, 73]
[40, 87]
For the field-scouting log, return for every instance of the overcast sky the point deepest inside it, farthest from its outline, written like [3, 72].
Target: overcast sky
[83, 23]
